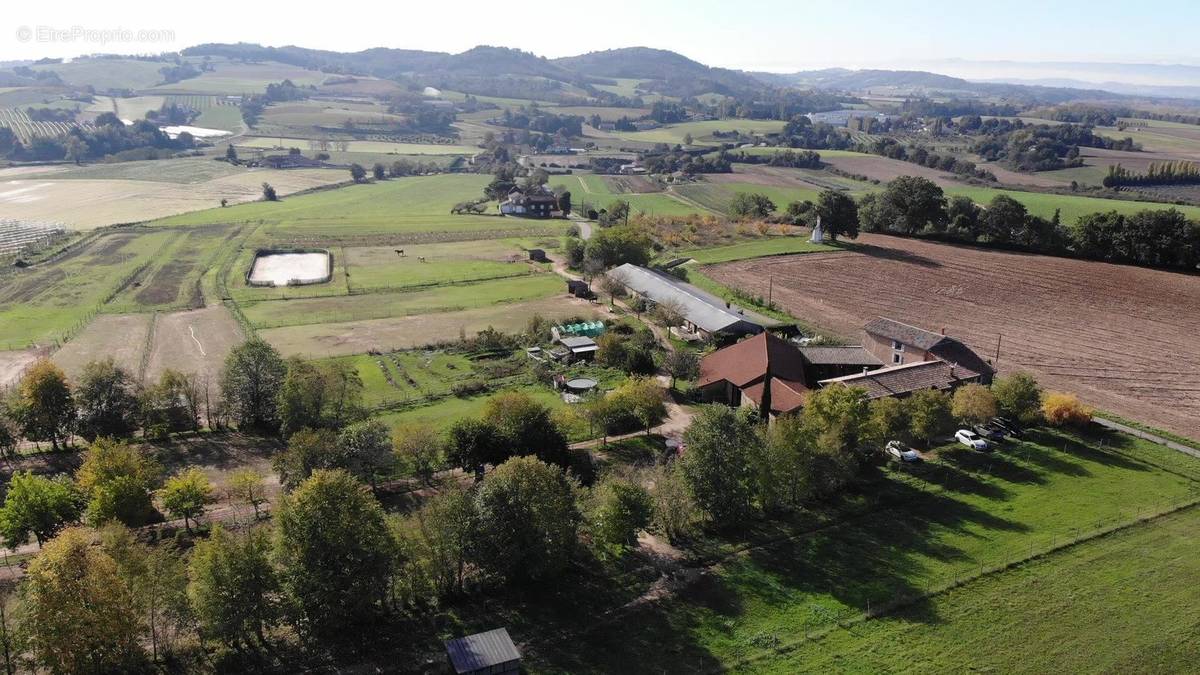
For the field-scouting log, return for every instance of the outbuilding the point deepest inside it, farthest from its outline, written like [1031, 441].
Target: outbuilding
[580, 348]
[487, 653]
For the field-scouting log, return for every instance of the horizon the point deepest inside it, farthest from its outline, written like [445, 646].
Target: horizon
[870, 35]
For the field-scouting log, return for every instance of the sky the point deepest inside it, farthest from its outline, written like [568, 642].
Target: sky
[771, 35]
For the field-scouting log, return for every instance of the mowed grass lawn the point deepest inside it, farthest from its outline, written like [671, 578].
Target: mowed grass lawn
[756, 249]
[1125, 603]
[717, 196]
[276, 313]
[420, 204]
[904, 532]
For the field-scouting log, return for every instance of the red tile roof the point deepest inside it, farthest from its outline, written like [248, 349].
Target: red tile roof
[746, 361]
[905, 379]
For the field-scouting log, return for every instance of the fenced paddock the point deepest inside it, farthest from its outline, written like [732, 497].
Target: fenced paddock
[300, 267]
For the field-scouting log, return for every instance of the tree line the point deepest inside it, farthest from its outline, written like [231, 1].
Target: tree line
[1165, 173]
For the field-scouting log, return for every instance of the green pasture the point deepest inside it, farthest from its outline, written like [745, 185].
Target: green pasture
[1057, 614]
[44, 303]
[905, 531]
[240, 78]
[701, 131]
[420, 204]
[1071, 206]
[292, 312]
[172, 281]
[105, 74]
[375, 147]
[225, 117]
[380, 267]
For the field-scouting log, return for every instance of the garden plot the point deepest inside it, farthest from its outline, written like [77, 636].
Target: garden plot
[119, 336]
[290, 269]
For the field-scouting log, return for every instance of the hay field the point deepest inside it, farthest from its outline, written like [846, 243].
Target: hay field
[701, 131]
[1123, 337]
[241, 78]
[194, 341]
[84, 204]
[358, 337]
[377, 147]
[120, 336]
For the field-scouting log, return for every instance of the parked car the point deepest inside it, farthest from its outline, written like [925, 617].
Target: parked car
[897, 450]
[989, 432]
[971, 439]
[1011, 428]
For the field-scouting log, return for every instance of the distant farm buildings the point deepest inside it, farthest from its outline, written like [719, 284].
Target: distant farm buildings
[863, 119]
[895, 360]
[492, 653]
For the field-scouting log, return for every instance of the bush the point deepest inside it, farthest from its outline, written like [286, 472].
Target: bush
[1062, 409]
[468, 388]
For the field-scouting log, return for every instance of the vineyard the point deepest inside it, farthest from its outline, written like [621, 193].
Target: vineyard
[27, 129]
[16, 236]
[199, 101]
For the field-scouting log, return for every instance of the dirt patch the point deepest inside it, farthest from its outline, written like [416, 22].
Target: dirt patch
[1010, 177]
[33, 286]
[121, 336]
[1123, 337]
[13, 364]
[359, 337]
[885, 169]
[163, 287]
[195, 341]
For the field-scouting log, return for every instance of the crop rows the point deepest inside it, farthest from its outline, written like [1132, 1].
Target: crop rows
[194, 101]
[27, 129]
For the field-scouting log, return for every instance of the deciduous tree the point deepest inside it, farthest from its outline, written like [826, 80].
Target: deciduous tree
[716, 465]
[233, 587]
[973, 404]
[929, 414]
[186, 494]
[43, 405]
[106, 400]
[117, 479]
[39, 506]
[250, 383]
[1018, 397]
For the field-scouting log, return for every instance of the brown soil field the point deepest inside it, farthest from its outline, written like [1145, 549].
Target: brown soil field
[885, 169]
[1123, 338]
[777, 176]
[1010, 177]
[195, 341]
[121, 336]
[359, 337]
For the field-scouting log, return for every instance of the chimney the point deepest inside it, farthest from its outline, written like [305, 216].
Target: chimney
[866, 369]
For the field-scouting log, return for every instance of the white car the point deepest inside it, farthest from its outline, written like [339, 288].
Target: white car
[896, 449]
[971, 439]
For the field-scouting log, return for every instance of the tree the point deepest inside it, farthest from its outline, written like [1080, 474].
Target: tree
[419, 450]
[527, 520]
[929, 414]
[357, 173]
[307, 450]
[43, 404]
[106, 400]
[887, 420]
[472, 444]
[1018, 397]
[185, 495]
[268, 193]
[171, 405]
[668, 313]
[448, 526]
[614, 246]
[839, 214]
[1003, 219]
[751, 205]
[837, 417]
[10, 432]
[76, 149]
[38, 506]
[78, 614]
[525, 426]
[973, 404]
[1063, 409]
[232, 586]
[379, 171]
[335, 552]
[620, 508]
[247, 486]
[366, 450]
[319, 396]
[252, 377]
[681, 364]
[716, 465]
[156, 577]
[643, 399]
[909, 204]
[675, 513]
[231, 155]
[117, 479]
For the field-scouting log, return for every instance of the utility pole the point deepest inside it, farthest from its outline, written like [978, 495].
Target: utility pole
[996, 361]
[770, 290]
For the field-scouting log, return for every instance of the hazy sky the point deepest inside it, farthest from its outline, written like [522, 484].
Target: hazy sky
[776, 35]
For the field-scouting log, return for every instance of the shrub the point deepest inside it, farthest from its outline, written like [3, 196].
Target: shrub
[1062, 409]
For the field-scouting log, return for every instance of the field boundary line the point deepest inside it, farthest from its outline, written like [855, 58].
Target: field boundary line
[147, 347]
[934, 590]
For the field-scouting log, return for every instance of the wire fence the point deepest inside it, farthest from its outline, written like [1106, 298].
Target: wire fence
[830, 619]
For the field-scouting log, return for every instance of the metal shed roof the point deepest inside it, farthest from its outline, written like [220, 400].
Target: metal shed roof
[700, 308]
[482, 650]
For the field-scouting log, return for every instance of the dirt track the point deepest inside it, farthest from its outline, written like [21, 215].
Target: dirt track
[1124, 338]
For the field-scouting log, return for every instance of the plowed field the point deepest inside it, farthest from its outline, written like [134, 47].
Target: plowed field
[1126, 339]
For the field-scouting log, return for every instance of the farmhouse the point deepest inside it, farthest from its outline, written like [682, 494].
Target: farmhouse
[703, 314]
[739, 375]
[532, 204]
